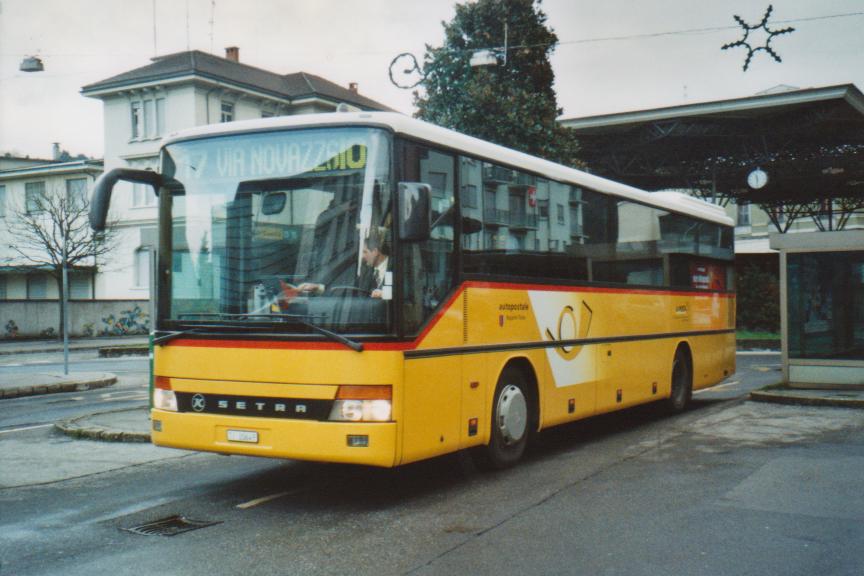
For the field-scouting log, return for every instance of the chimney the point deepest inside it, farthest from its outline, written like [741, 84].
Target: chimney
[232, 53]
[353, 87]
[55, 151]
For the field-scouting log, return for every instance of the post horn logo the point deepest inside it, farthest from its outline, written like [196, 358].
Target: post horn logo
[567, 330]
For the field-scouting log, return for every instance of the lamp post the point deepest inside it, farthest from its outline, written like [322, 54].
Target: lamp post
[65, 297]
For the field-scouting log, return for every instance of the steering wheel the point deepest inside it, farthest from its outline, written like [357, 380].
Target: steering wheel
[333, 290]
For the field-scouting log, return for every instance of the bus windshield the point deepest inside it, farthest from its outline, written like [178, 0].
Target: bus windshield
[281, 230]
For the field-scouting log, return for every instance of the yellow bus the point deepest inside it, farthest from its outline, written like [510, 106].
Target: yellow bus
[368, 288]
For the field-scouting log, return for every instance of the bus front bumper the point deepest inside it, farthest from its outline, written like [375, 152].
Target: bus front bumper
[367, 443]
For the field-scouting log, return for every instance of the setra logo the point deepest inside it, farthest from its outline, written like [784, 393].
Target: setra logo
[198, 403]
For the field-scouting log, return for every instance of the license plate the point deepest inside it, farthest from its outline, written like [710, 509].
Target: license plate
[243, 436]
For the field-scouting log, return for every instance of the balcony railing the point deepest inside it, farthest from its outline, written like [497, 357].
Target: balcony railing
[496, 216]
[521, 220]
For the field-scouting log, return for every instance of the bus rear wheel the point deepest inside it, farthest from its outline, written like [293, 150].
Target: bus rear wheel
[511, 421]
[682, 383]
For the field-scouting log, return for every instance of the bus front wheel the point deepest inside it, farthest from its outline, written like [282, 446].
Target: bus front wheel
[511, 421]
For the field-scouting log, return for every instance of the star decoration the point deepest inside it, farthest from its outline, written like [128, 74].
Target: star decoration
[748, 28]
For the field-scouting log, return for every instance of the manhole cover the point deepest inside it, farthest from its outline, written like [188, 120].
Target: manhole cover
[170, 526]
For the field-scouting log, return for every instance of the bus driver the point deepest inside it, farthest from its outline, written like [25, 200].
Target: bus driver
[376, 257]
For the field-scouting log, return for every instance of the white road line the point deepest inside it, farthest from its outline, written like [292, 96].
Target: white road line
[25, 428]
[719, 387]
[132, 397]
[264, 499]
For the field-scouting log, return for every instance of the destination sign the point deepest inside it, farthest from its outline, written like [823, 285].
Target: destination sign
[268, 156]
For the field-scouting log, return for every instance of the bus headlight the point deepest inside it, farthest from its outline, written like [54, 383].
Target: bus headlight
[362, 404]
[163, 397]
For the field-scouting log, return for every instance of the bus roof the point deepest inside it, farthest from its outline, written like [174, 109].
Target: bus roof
[402, 124]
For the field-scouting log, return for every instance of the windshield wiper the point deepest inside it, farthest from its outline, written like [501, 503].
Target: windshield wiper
[299, 318]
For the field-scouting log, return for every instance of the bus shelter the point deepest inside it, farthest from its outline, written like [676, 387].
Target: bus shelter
[797, 154]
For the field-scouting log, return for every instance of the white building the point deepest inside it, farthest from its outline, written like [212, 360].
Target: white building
[179, 91]
[20, 187]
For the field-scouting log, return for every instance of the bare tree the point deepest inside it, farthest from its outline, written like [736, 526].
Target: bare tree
[53, 223]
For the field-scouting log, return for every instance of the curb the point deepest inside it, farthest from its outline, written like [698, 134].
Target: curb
[754, 344]
[74, 386]
[118, 351]
[75, 429]
[806, 400]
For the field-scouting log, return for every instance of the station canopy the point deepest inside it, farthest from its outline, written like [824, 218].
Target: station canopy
[809, 143]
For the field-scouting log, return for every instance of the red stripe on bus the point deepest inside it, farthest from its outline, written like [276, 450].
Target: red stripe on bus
[413, 344]
[594, 289]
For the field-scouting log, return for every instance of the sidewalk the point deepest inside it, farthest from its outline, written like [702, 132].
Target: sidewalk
[8, 347]
[835, 398]
[17, 385]
[128, 425]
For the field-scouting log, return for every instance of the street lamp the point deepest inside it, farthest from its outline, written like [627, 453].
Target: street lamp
[31, 64]
[487, 57]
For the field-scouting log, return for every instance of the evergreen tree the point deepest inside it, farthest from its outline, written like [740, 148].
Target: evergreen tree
[512, 105]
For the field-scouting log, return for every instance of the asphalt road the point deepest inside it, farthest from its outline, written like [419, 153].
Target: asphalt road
[129, 391]
[729, 487]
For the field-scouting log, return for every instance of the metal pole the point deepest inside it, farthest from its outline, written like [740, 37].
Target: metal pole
[65, 310]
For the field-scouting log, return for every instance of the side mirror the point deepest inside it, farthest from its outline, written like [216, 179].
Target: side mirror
[105, 185]
[414, 211]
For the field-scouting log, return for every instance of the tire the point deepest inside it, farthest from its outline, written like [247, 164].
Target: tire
[511, 421]
[682, 383]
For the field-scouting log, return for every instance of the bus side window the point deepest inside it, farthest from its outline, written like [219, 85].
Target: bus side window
[428, 266]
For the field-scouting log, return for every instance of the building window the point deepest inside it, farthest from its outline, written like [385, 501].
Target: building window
[743, 215]
[227, 112]
[34, 197]
[438, 182]
[2, 200]
[37, 287]
[3, 293]
[79, 287]
[543, 209]
[137, 120]
[142, 268]
[160, 116]
[469, 196]
[143, 195]
[560, 212]
[267, 114]
[76, 192]
[148, 118]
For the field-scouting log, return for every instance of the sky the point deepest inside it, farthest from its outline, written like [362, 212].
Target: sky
[613, 55]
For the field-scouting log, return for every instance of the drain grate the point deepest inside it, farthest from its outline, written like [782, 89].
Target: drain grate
[170, 526]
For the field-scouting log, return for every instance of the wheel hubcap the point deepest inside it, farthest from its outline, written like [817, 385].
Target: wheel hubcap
[512, 414]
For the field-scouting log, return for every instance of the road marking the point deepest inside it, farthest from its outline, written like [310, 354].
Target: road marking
[264, 499]
[25, 428]
[719, 387]
[137, 396]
